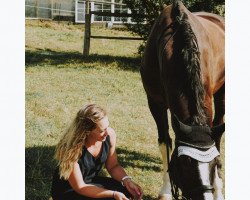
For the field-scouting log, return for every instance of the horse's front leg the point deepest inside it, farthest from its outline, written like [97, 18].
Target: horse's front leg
[218, 185]
[159, 112]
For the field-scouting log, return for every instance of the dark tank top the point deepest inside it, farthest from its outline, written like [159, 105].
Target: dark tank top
[89, 166]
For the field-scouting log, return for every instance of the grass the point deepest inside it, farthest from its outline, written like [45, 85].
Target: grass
[59, 80]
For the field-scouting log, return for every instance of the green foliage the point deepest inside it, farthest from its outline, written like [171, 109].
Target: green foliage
[152, 8]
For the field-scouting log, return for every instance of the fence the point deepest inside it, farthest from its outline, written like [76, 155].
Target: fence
[75, 10]
[88, 11]
[112, 15]
[102, 6]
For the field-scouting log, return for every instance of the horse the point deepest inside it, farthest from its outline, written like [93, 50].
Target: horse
[183, 71]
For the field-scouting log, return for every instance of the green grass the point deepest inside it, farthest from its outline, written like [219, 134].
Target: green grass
[59, 80]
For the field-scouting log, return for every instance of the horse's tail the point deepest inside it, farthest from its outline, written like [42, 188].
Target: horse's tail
[188, 55]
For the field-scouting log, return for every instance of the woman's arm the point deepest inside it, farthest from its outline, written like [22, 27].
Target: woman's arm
[116, 170]
[79, 186]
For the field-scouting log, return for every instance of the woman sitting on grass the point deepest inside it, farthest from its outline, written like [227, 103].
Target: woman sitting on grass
[87, 144]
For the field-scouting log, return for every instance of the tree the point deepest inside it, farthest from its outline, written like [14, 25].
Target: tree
[152, 8]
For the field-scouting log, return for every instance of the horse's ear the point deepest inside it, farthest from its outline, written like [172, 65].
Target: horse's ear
[179, 126]
[217, 132]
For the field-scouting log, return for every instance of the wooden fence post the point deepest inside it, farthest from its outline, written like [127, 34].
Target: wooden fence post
[87, 29]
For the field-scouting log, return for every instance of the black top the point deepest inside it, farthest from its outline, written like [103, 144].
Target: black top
[89, 166]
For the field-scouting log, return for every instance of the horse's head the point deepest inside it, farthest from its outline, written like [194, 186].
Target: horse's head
[195, 162]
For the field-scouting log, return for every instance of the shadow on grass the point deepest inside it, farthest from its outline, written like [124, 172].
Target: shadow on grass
[135, 159]
[57, 59]
[40, 165]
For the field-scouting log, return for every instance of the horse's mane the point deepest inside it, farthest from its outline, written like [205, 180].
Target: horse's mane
[188, 56]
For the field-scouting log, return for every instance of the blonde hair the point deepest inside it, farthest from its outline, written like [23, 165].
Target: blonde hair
[69, 149]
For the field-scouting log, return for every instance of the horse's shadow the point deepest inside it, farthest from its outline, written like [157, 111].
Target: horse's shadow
[128, 158]
[46, 57]
[40, 165]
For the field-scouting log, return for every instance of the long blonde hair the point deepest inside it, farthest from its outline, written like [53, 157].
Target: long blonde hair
[69, 149]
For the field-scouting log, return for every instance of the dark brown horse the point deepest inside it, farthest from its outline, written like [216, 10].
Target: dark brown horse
[183, 71]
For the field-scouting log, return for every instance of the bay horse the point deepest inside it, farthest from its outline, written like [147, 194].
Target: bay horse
[183, 70]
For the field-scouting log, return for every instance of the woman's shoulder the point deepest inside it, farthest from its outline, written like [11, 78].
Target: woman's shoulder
[112, 135]
[111, 131]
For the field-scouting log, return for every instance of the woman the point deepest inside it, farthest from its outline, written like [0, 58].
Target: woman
[88, 144]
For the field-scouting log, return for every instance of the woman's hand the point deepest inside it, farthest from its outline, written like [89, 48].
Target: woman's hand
[133, 189]
[119, 196]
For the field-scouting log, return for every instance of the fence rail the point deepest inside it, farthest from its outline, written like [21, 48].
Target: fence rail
[115, 14]
[51, 9]
[116, 38]
[106, 2]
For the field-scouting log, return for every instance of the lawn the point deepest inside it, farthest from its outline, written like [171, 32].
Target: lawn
[59, 80]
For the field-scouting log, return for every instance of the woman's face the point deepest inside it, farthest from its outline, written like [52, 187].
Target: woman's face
[100, 132]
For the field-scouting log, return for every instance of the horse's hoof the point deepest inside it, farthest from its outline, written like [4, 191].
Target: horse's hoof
[165, 197]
